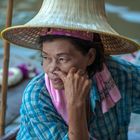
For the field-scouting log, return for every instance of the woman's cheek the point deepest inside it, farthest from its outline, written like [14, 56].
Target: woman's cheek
[65, 68]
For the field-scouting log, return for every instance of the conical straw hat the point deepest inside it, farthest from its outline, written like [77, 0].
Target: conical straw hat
[82, 15]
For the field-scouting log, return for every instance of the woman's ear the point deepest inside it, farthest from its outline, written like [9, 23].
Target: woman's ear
[91, 56]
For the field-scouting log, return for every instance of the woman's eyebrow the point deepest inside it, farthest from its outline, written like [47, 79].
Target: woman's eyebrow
[63, 54]
[59, 54]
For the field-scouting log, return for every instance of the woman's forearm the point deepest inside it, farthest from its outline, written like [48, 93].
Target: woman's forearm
[78, 129]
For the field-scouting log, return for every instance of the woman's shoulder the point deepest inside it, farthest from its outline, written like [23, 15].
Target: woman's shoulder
[36, 102]
[125, 74]
[36, 84]
[37, 80]
[118, 64]
[35, 91]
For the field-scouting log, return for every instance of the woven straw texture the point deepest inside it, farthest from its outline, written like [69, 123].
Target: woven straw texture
[84, 15]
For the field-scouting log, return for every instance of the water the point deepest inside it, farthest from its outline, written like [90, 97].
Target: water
[23, 11]
[124, 17]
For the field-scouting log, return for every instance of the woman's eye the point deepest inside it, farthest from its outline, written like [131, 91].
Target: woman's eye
[62, 59]
[44, 57]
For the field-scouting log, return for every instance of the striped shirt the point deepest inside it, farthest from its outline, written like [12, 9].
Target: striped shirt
[41, 121]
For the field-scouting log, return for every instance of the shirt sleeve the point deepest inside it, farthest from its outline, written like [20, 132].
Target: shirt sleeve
[136, 89]
[39, 119]
[127, 78]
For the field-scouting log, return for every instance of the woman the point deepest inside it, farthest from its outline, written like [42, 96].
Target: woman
[83, 93]
[70, 64]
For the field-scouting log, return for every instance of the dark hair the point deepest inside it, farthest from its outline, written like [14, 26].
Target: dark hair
[83, 46]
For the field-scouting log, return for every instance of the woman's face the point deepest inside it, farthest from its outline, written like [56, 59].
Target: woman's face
[61, 55]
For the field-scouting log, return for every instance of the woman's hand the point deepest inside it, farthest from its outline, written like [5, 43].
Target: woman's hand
[76, 85]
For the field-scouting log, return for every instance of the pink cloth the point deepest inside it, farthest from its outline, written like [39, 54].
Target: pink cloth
[109, 93]
[106, 85]
[67, 32]
[58, 98]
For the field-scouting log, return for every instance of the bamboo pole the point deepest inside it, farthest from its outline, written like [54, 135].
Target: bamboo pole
[5, 70]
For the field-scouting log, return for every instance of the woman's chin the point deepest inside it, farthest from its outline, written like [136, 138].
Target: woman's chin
[58, 86]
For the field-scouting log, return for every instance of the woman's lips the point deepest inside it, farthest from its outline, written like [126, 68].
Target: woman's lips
[56, 81]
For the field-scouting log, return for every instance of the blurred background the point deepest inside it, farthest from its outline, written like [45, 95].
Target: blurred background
[123, 15]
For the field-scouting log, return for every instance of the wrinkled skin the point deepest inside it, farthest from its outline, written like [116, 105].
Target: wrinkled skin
[61, 55]
[66, 68]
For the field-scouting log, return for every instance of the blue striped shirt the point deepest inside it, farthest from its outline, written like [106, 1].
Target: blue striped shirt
[41, 121]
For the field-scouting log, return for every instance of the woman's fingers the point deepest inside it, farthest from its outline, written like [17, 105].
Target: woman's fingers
[76, 85]
[72, 71]
[62, 75]
[86, 87]
[80, 72]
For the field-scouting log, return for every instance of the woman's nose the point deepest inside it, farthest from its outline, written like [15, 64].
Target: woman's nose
[53, 66]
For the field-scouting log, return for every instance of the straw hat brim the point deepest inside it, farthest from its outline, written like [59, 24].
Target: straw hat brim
[27, 36]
